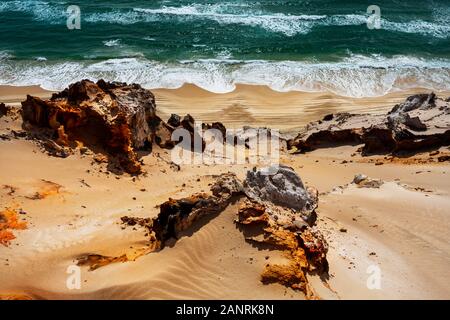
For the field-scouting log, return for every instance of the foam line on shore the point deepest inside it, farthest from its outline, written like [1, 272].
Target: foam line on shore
[355, 76]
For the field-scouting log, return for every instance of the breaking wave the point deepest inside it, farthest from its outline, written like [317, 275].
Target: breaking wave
[354, 76]
[224, 14]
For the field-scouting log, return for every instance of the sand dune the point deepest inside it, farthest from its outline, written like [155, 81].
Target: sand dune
[404, 223]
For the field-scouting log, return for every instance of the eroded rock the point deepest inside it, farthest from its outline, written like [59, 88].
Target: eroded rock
[363, 181]
[95, 261]
[302, 244]
[283, 188]
[178, 215]
[419, 123]
[111, 116]
[289, 227]
[3, 110]
[174, 120]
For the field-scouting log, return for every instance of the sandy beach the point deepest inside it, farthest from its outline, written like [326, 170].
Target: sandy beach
[247, 105]
[73, 206]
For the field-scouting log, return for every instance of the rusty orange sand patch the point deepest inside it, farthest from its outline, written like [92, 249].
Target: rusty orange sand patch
[15, 297]
[47, 189]
[9, 221]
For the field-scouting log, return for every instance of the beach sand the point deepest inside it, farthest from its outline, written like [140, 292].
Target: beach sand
[257, 106]
[402, 228]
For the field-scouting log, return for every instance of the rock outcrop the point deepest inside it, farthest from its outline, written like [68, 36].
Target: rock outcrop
[278, 205]
[179, 215]
[284, 210]
[363, 181]
[113, 118]
[284, 188]
[103, 115]
[3, 110]
[419, 123]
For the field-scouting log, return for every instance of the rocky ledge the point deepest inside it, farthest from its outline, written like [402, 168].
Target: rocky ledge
[112, 118]
[421, 122]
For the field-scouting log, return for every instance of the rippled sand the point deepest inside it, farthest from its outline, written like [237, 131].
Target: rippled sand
[402, 227]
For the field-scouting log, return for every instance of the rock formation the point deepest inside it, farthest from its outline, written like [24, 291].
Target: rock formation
[95, 261]
[285, 212]
[3, 110]
[174, 120]
[108, 117]
[178, 215]
[421, 122]
[278, 204]
[283, 188]
[363, 181]
[111, 116]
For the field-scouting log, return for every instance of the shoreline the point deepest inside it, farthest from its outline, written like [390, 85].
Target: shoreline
[253, 105]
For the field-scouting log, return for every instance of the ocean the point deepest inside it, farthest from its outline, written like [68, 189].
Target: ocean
[317, 45]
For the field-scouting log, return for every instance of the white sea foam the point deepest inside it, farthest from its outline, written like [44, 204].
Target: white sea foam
[355, 76]
[112, 43]
[286, 24]
[418, 26]
[5, 55]
[40, 10]
[227, 14]
[276, 22]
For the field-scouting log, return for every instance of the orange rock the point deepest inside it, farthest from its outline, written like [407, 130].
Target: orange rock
[95, 261]
[113, 116]
[9, 221]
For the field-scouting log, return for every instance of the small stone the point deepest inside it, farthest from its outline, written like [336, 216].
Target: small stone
[443, 158]
[359, 178]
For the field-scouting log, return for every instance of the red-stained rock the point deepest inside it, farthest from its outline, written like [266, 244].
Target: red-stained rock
[113, 117]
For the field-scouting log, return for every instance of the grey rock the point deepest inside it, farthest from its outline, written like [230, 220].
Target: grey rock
[421, 122]
[359, 177]
[283, 188]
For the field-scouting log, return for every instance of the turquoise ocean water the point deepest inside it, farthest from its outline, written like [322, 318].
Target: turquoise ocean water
[317, 45]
